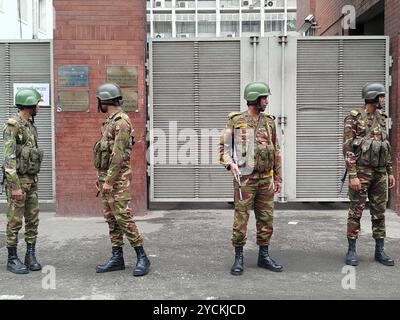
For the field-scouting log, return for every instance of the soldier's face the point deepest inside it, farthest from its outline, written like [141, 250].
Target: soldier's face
[264, 102]
[382, 100]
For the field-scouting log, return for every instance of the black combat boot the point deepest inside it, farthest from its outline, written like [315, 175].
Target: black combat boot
[265, 261]
[143, 263]
[380, 254]
[14, 264]
[30, 258]
[237, 268]
[115, 263]
[351, 256]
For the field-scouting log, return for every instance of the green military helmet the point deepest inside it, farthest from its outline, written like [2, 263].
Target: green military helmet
[371, 91]
[108, 91]
[27, 98]
[255, 90]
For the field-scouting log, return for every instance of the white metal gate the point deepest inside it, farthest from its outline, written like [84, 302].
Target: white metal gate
[330, 75]
[196, 84]
[29, 62]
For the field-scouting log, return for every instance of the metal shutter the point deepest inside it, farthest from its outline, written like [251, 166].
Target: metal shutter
[29, 63]
[196, 84]
[330, 75]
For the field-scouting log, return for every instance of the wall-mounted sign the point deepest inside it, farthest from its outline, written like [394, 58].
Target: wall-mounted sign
[43, 88]
[124, 76]
[73, 76]
[73, 101]
[130, 99]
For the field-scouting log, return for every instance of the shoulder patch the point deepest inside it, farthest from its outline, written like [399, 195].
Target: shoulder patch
[12, 122]
[234, 115]
[354, 113]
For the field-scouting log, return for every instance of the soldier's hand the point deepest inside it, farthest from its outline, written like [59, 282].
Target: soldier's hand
[355, 184]
[392, 182]
[278, 187]
[107, 188]
[17, 195]
[235, 170]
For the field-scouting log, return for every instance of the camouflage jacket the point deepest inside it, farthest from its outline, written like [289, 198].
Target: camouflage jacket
[17, 131]
[118, 131]
[358, 126]
[241, 127]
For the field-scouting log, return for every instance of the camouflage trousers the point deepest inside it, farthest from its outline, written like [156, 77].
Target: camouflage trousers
[17, 210]
[258, 194]
[374, 186]
[119, 216]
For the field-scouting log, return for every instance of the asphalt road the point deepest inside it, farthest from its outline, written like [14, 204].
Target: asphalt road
[191, 256]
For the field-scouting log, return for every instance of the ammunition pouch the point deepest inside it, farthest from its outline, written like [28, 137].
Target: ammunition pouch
[29, 160]
[372, 153]
[102, 154]
[265, 159]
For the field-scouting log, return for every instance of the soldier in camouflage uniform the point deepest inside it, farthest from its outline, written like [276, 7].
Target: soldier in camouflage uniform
[367, 153]
[22, 160]
[112, 155]
[252, 136]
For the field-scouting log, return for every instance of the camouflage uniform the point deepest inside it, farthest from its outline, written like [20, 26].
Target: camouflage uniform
[117, 135]
[258, 184]
[362, 132]
[16, 133]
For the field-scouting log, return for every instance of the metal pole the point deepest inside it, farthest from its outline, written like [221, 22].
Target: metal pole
[282, 197]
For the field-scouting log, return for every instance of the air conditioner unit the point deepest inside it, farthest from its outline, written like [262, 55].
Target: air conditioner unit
[159, 35]
[269, 4]
[183, 4]
[231, 35]
[247, 3]
[184, 35]
[159, 4]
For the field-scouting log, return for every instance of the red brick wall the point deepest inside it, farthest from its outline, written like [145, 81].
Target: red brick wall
[96, 33]
[328, 13]
[392, 29]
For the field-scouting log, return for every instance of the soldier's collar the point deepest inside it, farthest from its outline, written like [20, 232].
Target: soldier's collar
[22, 120]
[112, 116]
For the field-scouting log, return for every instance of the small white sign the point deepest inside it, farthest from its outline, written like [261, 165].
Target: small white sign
[294, 223]
[43, 88]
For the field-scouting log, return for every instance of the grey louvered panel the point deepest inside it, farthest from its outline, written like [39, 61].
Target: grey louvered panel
[196, 84]
[215, 181]
[330, 75]
[317, 119]
[5, 94]
[174, 182]
[30, 63]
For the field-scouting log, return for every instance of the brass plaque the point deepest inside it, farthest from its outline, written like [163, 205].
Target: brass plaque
[73, 101]
[130, 99]
[73, 76]
[124, 76]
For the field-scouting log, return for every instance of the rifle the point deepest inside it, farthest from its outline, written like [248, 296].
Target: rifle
[343, 180]
[2, 179]
[237, 176]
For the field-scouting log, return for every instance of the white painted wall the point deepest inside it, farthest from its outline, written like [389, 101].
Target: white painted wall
[11, 28]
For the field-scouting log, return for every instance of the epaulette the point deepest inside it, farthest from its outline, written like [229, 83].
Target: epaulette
[234, 115]
[354, 113]
[12, 122]
[271, 117]
[383, 114]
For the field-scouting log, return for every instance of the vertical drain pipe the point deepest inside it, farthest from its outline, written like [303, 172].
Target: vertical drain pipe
[282, 118]
[254, 41]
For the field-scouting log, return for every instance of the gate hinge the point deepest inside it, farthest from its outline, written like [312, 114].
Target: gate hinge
[282, 120]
